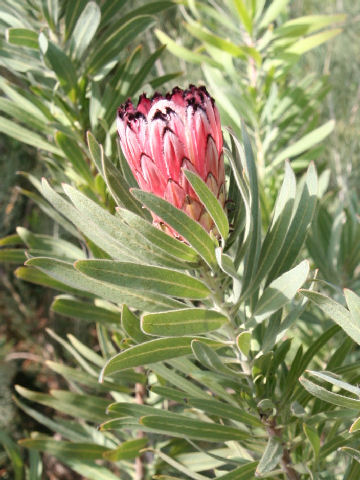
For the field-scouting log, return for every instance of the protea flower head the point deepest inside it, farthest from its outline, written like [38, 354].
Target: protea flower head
[164, 135]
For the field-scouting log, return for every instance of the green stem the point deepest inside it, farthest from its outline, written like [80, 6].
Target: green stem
[217, 296]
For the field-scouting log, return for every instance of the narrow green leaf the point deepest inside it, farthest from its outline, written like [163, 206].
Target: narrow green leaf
[35, 465]
[85, 379]
[206, 377]
[244, 16]
[23, 37]
[50, 244]
[119, 188]
[352, 452]
[45, 206]
[117, 41]
[169, 244]
[179, 381]
[13, 452]
[129, 409]
[169, 393]
[210, 202]
[144, 278]
[109, 9]
[90, 471]
[18, 113]
[308, 24]
[281, 291]
[252, 254]
[300, 222]
[32, 275]
[190, 321]
[164, 477]
[11, 240]
[355, 426]
[102, 228]
[222, 410]
[276, 235]
[23, 135]
[83, 451]
[72, 12]
[271, 456]
[313, 438]
[353, 303]
[96, 152]
[159, 81]
[184, 225]
[126, 451]
[50, 9]
[75, 155]
[301, 361]
[12, 255]
[238, 169]
[60, 63]
[71, 307]
[305, 143]
[243, 341]
[85, 29]
[327, 396]
[243, 51]
[272, 12]
[64, 430]
[28, 101]
[144, 70]
[188, 428]
[210, 359]
[86, 224]
[336, 312]
[308, 43]
[245, 472]
[87, 407]
[226, 263]
[184, 53]
[150, 352]
[179, 467]
[332, 378]
[131, 324]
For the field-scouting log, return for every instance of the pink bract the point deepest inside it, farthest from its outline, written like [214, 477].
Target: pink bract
[166, 134]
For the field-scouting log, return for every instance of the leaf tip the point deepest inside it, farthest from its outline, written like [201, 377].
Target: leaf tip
[77, 264]
[102, 374]
[88, 136]
[18, 388]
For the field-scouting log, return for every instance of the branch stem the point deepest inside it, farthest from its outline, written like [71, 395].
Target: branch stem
[286, 463]
[140, 394]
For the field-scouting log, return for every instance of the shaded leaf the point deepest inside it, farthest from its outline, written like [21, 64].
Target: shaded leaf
[188, 428]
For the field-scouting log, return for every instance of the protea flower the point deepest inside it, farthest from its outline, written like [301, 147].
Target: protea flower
[166, 134]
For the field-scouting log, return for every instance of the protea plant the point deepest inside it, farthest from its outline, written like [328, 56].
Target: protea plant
[165, 135]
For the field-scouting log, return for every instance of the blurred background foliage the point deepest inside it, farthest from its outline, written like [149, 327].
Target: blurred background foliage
[52, 105]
